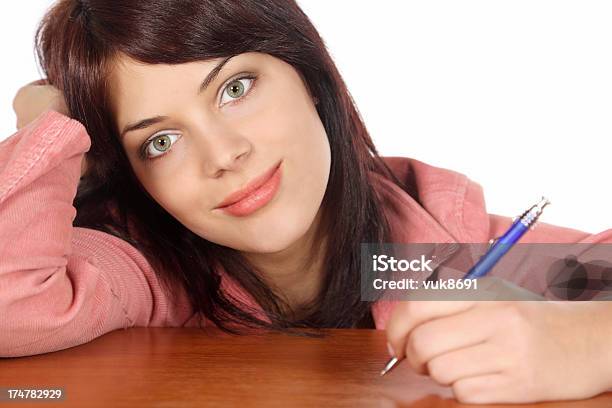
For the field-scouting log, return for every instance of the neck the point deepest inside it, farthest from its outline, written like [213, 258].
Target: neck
[296, 272]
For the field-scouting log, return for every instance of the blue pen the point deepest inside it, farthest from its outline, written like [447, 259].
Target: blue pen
[501, 245]
[496, 251]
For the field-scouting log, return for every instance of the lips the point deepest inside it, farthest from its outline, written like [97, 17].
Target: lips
[252, 186]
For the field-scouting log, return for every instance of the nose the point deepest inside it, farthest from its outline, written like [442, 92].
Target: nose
[225, 152]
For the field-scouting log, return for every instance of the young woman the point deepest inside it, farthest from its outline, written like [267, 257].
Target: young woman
[229, 181]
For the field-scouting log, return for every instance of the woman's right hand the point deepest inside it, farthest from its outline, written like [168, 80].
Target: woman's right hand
[35, 98]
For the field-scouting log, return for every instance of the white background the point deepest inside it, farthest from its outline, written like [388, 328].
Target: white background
[516, 94]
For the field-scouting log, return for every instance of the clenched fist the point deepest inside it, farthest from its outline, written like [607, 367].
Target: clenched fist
[36, 98]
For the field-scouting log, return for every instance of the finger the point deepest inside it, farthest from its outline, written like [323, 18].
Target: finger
[485, 389]
[407, 315]
[478, 360]
[42, 81]
[84, 165]
[445, 334]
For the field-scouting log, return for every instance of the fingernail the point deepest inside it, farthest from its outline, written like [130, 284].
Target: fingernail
[390, 349]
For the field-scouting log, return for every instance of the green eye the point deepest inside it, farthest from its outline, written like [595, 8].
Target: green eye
[162, 143]
[158, 145]
[235, 89]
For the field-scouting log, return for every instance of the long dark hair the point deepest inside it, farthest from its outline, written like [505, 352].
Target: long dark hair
[75, 44]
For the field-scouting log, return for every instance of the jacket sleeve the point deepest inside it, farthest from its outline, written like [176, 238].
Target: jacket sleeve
[62, 286]
[536, 262]
[560, 263]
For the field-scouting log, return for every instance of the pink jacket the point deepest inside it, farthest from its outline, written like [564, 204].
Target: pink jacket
[62, 286]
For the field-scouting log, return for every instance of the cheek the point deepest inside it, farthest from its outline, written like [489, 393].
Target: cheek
[290, 120]
[292, 125]
[175, 194]
[170, 181]
[305, 140]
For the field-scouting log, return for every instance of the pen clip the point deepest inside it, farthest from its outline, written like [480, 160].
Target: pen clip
[492, 242]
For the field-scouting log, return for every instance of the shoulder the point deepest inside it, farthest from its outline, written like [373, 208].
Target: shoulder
[449, 197]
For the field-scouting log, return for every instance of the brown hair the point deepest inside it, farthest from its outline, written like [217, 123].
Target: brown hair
[76, 42]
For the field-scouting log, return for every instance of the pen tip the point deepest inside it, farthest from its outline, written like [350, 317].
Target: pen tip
[390, 364]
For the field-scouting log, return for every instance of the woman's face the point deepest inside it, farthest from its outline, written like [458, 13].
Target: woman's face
[211, 140]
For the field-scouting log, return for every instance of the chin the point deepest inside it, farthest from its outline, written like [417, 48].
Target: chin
[270, 244]
[276, 238]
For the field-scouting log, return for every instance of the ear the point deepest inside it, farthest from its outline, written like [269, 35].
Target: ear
[315, 100]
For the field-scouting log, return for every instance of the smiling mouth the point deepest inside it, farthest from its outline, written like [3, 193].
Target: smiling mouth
[255, 195]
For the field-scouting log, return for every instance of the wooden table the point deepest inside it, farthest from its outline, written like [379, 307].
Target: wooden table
[167, 367]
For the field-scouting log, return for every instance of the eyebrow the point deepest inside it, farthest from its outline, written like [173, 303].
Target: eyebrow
[145, 123]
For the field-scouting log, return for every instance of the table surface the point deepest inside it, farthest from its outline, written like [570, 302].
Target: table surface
[170, 367]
